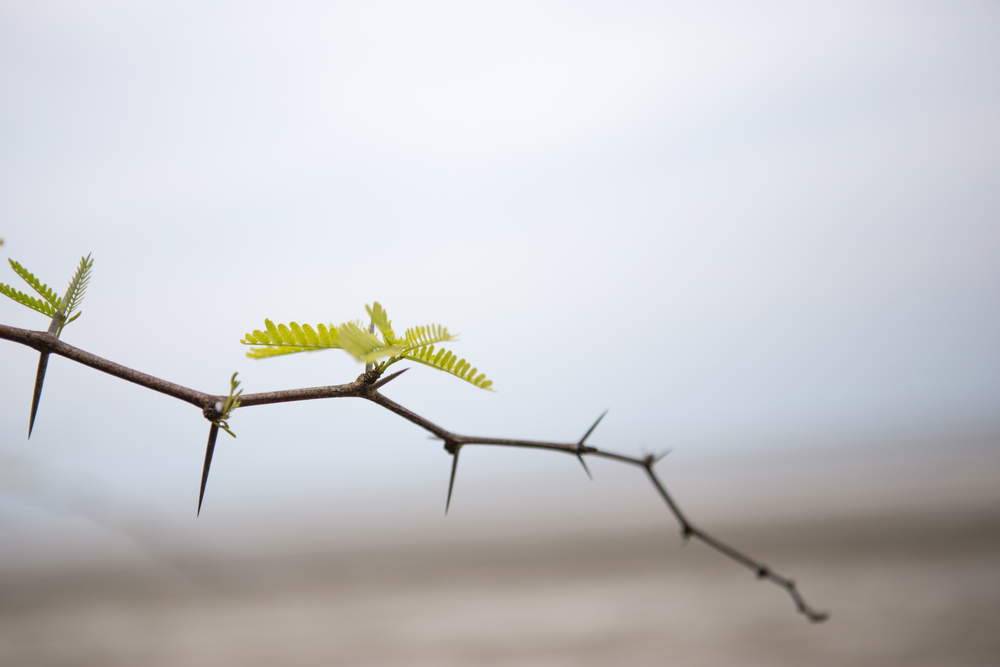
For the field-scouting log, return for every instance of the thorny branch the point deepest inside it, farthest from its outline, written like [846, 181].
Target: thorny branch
[366, 387]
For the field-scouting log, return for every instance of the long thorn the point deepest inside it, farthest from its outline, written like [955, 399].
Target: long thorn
[584, 464]
[451, 484]
[213, 433]
[591, 429]
[43, 361]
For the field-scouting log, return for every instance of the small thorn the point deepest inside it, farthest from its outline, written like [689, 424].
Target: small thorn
[43, 361]
[387, 379]
[591, 429]
[451, 484]
[662, 456]
[584, 464]
[213, 433]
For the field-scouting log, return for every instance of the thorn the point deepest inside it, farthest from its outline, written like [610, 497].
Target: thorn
[451, 484]
[662, 456]
[584, 464]
[43, 361]
[213, 433]
[387, 379]
[591, 429]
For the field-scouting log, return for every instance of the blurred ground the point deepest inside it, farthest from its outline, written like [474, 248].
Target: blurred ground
[910, 569]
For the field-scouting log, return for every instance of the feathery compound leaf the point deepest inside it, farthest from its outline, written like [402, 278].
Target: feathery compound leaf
[380, 319]
[232, 402]
[50, 304]
[44, 307]
[36, 285]
[289, 339]
[77, 286]
[267, 352]
[427, 335]
[364, 346]
[449, 363]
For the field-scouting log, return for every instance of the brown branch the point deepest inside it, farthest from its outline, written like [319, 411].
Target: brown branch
[454, 441]
[366, 386]
[47, 343]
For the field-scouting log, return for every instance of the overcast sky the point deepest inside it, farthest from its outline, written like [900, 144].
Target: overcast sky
[737, 226]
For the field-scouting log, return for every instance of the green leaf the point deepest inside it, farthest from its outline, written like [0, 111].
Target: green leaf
[364, 346]
[273, 332]
[417, 344]
[289, 339]
[427, 335]
[77, 286]
[445, 361]
[299, 334]
[266, 352]
[381, 320]
[43, 307]
[36, 285]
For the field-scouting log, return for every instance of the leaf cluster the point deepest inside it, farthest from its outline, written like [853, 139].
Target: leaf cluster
[232, 402]
[61, 309]
[420, 344]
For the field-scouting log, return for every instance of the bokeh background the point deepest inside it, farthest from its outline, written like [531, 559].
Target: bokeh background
[763, 235]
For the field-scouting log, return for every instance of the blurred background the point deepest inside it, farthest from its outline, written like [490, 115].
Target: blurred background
[765, 236]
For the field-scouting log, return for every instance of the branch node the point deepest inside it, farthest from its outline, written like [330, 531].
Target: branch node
[212, 411]
[763, 571]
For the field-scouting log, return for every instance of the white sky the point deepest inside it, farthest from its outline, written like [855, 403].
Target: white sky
[734, 225]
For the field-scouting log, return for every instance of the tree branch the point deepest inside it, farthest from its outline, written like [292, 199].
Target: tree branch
[366, 386]
[47, 343]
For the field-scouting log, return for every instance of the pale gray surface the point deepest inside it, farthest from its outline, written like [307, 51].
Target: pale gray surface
[906, 554]
[904, 590]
